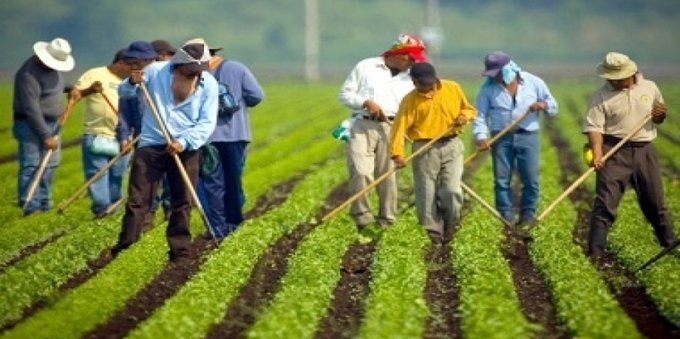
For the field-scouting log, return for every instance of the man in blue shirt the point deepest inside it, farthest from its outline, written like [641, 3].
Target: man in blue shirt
[221, 189]
[185, 95]
[505, 96]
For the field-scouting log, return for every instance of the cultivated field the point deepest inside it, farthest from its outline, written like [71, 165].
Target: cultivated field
[284, 274]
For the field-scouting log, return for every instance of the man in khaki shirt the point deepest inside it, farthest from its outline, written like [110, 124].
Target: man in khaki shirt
[615, 110]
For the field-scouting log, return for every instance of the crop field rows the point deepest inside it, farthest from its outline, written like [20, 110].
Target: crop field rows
[285, 274]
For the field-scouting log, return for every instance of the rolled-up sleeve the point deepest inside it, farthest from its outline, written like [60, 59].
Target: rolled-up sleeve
[198, 134]
[595, 116]
[480, 130]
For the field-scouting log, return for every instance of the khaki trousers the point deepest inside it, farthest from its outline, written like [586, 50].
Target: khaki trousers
[368, 158]
[437, 174]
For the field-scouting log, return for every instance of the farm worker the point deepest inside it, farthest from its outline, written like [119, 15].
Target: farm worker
[185, 95]
[373, 91]
[137, 56]
[425, 113]
[220, 188]
[38, 105]
[614, 110]
[506, 94]
[99, 144]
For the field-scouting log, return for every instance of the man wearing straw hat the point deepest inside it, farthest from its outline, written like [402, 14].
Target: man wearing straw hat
[372, 91]
[37, 105]
[614, 110]
[184, 98]
[99, 87]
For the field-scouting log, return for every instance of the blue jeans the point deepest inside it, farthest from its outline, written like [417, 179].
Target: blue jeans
[107, 190]
[31, 152]
[520, 150]
[221, 192]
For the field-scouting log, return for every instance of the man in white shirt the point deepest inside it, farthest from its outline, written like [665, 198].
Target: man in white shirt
[373, 91]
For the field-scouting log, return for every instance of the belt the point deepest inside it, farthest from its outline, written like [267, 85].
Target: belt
[612, 140]
[516, 131]
[370, 117]
[441, 140]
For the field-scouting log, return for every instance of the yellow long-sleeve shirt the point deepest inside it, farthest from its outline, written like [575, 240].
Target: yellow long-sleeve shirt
[426, 116]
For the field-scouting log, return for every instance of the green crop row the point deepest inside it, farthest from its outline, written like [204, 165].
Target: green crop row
[105, 292]
[631, 239]
[18, 233]
[154, 249]
[581, 297]
[633, 242]
[303, 294]
[39, 275]
[202, 301]
[395, 306]
[489, 305]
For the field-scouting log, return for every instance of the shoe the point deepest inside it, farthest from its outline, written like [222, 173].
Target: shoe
[100, 215]
[435, 237]
[149, 220]
[31, 212]
[510, 221]
[526, 222]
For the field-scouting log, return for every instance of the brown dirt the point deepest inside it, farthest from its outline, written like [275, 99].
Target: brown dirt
[532, 291]
[631, 296]
[257, 293]
[344, 315]
[441, 294]
[175, 274]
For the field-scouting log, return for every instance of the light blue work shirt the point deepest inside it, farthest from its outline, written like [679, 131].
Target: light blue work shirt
[496, 108]
[190, 122]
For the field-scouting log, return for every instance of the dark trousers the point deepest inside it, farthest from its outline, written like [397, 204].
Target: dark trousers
[221, 191]
[149, 164]
[634, 164]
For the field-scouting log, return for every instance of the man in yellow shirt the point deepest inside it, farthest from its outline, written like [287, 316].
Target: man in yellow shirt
[435, 106]
[99, 85]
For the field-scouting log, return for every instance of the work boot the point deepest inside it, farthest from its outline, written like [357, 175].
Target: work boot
[435, 237]
[149, 220]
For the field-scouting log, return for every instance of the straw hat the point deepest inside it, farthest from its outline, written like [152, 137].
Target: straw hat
[56, 54]
[616, 66]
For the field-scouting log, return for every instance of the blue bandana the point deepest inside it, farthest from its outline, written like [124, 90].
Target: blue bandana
[509, 73]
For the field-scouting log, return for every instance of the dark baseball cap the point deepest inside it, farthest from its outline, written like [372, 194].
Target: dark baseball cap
[163, 46]
[424, 73]
[493, 62]
[120, 55]
[140, 50]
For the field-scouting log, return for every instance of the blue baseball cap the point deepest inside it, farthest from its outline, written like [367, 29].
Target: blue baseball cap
[140, 50]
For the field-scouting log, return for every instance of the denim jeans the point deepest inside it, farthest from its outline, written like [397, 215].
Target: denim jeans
[31, 152]
[521, 151]
[221, 192]
[106, 190]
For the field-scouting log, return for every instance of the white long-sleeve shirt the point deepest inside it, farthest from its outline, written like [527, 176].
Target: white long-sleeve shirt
[372, 79]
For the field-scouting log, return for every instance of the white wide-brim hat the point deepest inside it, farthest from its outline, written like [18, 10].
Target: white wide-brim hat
[55, 54]
[616, 66]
